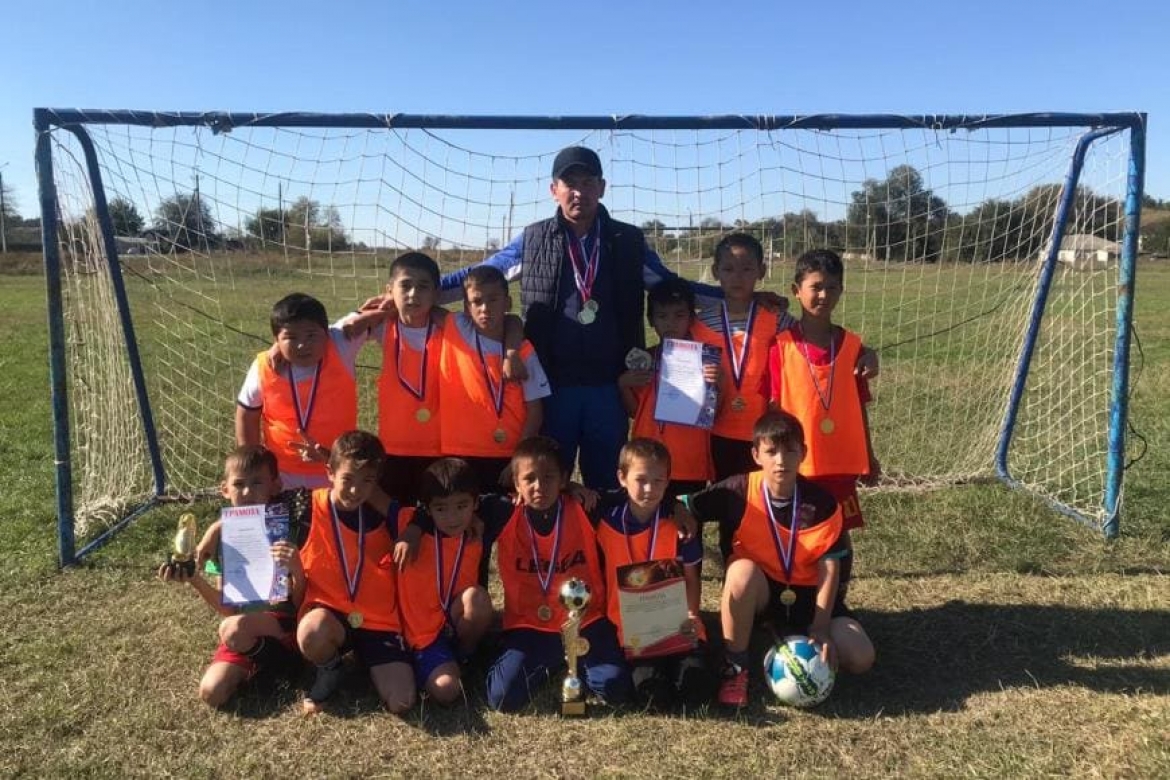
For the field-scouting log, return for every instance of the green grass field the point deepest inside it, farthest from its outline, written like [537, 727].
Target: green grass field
[1011, 641]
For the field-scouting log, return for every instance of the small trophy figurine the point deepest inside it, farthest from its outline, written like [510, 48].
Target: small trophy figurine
[575, 596]
[639, 360]
[183, 554]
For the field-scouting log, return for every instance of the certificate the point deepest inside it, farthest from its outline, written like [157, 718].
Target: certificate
[250, 575]
[683, 396]
[652, 599]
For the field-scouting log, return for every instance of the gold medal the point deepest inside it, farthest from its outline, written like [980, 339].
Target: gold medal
[500, 435]
[544, 612]
[423, 415]
[788, 597]
[738, 405]
[828, 426]
[582, 646]
[355, 619]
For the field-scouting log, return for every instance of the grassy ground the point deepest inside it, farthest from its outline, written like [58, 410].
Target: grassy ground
[1011, 641]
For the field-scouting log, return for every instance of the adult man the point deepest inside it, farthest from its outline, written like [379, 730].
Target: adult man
[583, 277]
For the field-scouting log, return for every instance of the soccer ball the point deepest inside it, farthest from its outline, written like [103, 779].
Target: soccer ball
[795, 672]
[575, 594]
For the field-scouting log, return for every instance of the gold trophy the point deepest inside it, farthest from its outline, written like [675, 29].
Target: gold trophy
[183, 553]
[575, 596]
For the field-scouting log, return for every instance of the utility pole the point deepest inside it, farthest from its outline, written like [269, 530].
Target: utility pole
[3, 224]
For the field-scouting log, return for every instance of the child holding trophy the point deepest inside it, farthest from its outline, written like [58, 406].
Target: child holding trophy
[251, 641]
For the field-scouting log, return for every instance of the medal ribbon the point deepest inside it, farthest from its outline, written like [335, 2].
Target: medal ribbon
[738, 358]
[653, 532]
[304, 417]
[495, 391]
[826, 401]
[445, 598]
[421, 390]
[585, 270]
[546, 578]
[352, 583]
[787, 557]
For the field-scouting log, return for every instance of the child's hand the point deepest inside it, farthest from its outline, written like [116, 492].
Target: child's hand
[687, 525]
[276, 360]
[514, 368]
[205, 550]
[285, 553]
[170, 572]
[867, 364]
[635, 378]
[406, 548]
[585, 497]
[383, 303]
[712, 373]
[771, 301]
[308, 450]
[819, 633]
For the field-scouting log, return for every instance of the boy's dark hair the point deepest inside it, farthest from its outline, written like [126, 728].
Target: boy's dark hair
[297, 307]
[483, 275]
[538, 448]
[644, 449]
[824, 261]
[670, 292]
[359, 448]
[417, 261]
[447, 477]
[251, 457]
[778, 428]
[742, 241]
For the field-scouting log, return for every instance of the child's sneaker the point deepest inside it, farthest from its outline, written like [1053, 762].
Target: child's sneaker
[733, 690]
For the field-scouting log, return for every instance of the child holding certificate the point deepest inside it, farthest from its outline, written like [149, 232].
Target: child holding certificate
[781, 538]
[652, 581]
[670, 307]
[251, 640]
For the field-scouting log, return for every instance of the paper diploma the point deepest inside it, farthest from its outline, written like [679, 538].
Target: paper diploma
[683, 397]
[250, 575]
[652, 599]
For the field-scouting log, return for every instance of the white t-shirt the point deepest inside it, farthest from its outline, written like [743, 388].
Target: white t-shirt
[347, 350]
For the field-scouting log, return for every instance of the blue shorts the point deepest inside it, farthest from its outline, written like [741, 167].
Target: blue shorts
[428, 659]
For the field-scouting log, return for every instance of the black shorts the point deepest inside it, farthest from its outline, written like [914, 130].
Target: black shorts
[797, 618]
[371, 646]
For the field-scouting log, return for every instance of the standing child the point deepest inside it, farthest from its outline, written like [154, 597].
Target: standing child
[781, 538]
[250, 641]
[640, 528]
[351, 585]
[300, 396]
[543, 541]
[484, 415]
[744, 330]
[812, 378]
[445, 611]
[670, 308]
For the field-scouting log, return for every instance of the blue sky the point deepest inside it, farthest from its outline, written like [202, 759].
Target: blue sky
[613, 58]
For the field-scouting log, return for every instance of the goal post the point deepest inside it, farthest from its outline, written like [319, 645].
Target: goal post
[990, 260]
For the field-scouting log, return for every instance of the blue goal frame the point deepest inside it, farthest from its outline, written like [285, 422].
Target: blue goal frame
[74, 121]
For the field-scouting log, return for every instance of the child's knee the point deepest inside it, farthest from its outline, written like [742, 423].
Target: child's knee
[477, 605]
[217, 686]
[445, 688]
[744, 580]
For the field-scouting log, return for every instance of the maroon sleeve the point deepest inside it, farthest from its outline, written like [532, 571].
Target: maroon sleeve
[772, 375]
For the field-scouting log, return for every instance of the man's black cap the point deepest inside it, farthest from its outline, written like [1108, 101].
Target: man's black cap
[576, 156]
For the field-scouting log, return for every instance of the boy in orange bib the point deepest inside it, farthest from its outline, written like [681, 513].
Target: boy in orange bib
[251, 641]
[351, 600]
[781, 538]
[639, 525]
[485, 416]
[670, 307]
[301, 395]
[445, 611]
[812, 378]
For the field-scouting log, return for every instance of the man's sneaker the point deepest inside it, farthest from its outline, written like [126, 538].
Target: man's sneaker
[733, 690]
[325, 685]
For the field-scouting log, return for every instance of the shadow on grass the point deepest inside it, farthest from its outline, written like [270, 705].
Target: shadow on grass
[934, 659]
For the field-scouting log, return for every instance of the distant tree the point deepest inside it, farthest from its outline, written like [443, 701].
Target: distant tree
[267, 225]
[185, 220]
[303, 224]
[125, 217]
[430, 243]
[902, 219]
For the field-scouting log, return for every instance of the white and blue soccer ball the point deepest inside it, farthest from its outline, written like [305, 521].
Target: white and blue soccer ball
[796, 673]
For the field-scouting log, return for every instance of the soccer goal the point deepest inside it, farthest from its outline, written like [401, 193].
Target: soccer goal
[989, 259]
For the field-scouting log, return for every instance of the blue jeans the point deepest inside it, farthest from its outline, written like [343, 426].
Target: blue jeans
[590, 420]
[530, 658]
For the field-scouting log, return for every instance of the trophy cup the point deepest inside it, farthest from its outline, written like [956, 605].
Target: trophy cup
[183, 552]
[575, 596]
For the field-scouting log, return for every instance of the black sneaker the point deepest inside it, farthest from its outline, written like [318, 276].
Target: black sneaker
[325, 685]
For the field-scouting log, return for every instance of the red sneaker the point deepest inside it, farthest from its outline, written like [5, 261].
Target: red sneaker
[733, 690]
